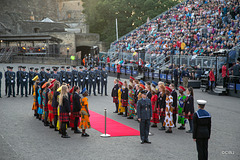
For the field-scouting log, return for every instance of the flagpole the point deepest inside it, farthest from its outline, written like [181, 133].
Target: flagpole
[116, 29]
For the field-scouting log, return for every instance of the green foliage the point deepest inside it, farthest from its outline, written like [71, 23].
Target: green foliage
[101, 15]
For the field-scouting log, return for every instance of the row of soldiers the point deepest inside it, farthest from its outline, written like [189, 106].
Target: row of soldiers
[89, 78]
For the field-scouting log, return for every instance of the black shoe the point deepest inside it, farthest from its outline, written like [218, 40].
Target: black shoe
[181, 128]
[51, 127]
[106, 95]
[8, 96]
[115, 112]
[21, 95]
[148, 142]
[77, 132]
[95, 95]
[101, 94]
[189, 131]
[85, 135]
[66, 136]
[129, 117]
[168, 131]
[46, 124]
[14, 96]
[124, 115]
[56, 129]
[142, 142]
[120, 113]
[72, 129]
[162, 128]
[35, 115]
[26, 96]
[154, 126]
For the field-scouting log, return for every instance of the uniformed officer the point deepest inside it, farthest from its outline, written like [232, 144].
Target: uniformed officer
[48, 74]
[74, 76]
[69, 76]
[42, 74]
[86, 77]
[6, 81]
[98, 79]
[55, 75]
[92, 81]
[104, 77]
[0, 84]
[11, 81]
[144, 110]
[36, 72]
[24, 80]
[63, 76]
[52, 70]
[81, 78]
[202, 130]
[18, 78]
[30, 81]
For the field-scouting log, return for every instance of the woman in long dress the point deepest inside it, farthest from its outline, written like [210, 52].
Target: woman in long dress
[131, 100]
[168, 122]
[181, 99]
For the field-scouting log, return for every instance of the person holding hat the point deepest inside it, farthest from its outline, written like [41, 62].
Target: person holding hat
[18, 79]
[74, 76]
[121, 109]
[85, 122]
[168, 121]
[98, 78]
[81, 78]
[144, 111]
[114, 94]
[11, 81]
[181, 99]
[104, 77]
[92, 81]
[24, 80]
[64, 105]
[188, 108]
[201, 129]
[30, 81]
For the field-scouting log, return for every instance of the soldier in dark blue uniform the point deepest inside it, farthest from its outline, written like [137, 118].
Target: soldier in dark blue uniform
[144, 111]
[18, 78]
[55, 75]
[92, 82]
[69, 76]
[86, 77]
[11, 81]
[36, 73]
[104, 77]
[6, 81]
[175, 75]
[48, 74]
[98, 79]
[63, 76]
[202, 130]
[31, 82]
[42, 74]
[0, 84]
[81, 78]
[24, 80]
[74, 76]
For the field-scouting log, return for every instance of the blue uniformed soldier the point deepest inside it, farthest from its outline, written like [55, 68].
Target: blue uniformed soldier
[201, 129]
[0, 84]
[98, 79]
[74, 76]
[104, 77]
[30, 81]
[52, 70]
[18, 78]
[42, 74]
[69, 76]
[24, 80]
[63, 76]
[36, 72]
[92, 81]
[86, 77]
[144, 111]
[48, 74]
[55, 75]
[6, 81]
[81, 78]
[11, 81]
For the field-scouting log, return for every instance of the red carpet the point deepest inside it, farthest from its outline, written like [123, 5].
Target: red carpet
[114, 128]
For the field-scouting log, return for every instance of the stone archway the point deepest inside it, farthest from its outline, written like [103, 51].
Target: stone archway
[85, 50]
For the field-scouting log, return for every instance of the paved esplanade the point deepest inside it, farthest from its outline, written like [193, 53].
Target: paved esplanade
[22, 136]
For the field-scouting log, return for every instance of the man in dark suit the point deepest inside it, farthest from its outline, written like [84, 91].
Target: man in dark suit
[174, 104]
[24, 80]
[18, 78]
[202, 130]
[31, 82]
[0, 83]
[144, 111]
[175, 75]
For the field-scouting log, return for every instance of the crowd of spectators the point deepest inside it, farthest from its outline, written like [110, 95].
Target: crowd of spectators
[194, 27]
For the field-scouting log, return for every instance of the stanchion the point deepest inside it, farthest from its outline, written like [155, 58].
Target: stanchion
[105, 135]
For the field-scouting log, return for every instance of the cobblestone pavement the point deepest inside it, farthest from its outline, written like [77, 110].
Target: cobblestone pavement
[24, 137]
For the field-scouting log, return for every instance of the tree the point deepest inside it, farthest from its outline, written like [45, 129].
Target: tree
[101, 15]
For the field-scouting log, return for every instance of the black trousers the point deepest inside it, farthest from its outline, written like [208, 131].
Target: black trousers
[118, 75]
[174, 119]
[190, 124]
[46, 117]
[18, 86]
[98, 86]
[202, 148]
[11, 89]
[144, 129]
[224, 82]
[92, 85]
[76, 123]
[103, 84]
[63, 128]
[211, 87]
[55, 120]
[176, 82]
[30, 88]
[24, 85]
